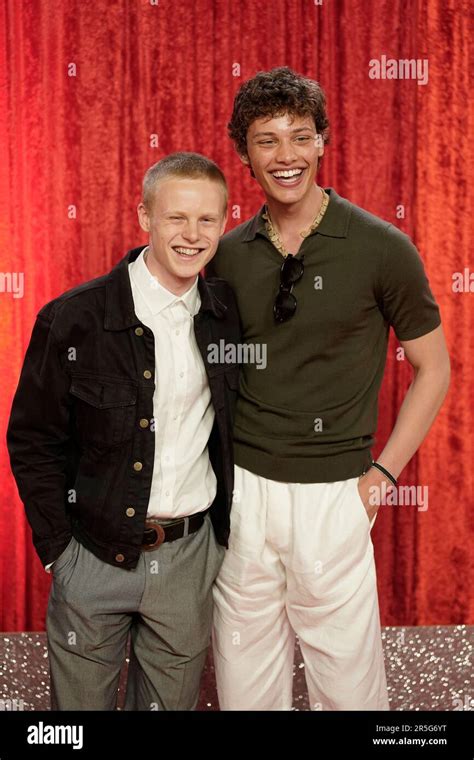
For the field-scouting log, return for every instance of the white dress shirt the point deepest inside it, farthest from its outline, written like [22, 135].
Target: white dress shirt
[183, 479]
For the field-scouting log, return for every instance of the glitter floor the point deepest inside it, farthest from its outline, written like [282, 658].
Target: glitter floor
[428, 668]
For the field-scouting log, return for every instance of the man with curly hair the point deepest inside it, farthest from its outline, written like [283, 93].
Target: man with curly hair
[319, 281]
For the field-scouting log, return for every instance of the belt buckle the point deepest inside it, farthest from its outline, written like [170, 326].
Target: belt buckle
[160, 533]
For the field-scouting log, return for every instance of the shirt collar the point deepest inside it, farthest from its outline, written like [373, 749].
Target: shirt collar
[335, 222]
[155, 295]
[119, 306]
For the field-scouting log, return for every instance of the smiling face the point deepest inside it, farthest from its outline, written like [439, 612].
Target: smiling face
[283, 152]
[185, 221]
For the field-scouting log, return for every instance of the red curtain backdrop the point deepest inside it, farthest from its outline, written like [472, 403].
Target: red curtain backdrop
[157, 76]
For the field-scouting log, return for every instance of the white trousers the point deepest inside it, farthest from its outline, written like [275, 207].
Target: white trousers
[300, 561]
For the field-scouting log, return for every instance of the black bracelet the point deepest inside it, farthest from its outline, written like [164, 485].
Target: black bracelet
[385, 472]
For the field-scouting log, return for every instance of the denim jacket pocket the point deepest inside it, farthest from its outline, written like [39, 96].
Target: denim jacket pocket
[105, 409]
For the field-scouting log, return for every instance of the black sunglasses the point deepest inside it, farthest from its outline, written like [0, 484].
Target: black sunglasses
[285, 303]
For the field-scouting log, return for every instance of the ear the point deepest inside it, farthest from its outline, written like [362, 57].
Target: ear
[320, 143]
[143, 217]
[224, 223]
[245, 159]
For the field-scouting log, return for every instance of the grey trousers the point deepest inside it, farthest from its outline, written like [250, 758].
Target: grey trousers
[165, 604]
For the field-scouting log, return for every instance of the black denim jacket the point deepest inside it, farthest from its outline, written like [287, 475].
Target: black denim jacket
[79, 437]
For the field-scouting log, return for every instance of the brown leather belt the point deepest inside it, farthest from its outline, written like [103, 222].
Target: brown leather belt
[155, 534]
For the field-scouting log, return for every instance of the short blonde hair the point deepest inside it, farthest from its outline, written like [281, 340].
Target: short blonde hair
[183, 164]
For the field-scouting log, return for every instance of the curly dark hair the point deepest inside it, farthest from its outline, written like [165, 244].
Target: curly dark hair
[274, 93]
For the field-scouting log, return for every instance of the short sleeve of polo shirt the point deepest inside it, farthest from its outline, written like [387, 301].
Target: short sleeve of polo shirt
[407, 302]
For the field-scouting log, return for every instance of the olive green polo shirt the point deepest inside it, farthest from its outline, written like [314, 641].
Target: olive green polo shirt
[310, 415]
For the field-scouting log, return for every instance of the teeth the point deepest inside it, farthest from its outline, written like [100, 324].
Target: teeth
[187, 251]
[288, 173]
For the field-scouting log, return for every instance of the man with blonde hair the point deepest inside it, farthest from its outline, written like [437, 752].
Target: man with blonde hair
[120, 443]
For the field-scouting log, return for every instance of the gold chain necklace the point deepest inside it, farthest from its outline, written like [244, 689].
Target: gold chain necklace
[274, 235]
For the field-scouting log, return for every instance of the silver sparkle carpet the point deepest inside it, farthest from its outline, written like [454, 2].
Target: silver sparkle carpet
[428, 668]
